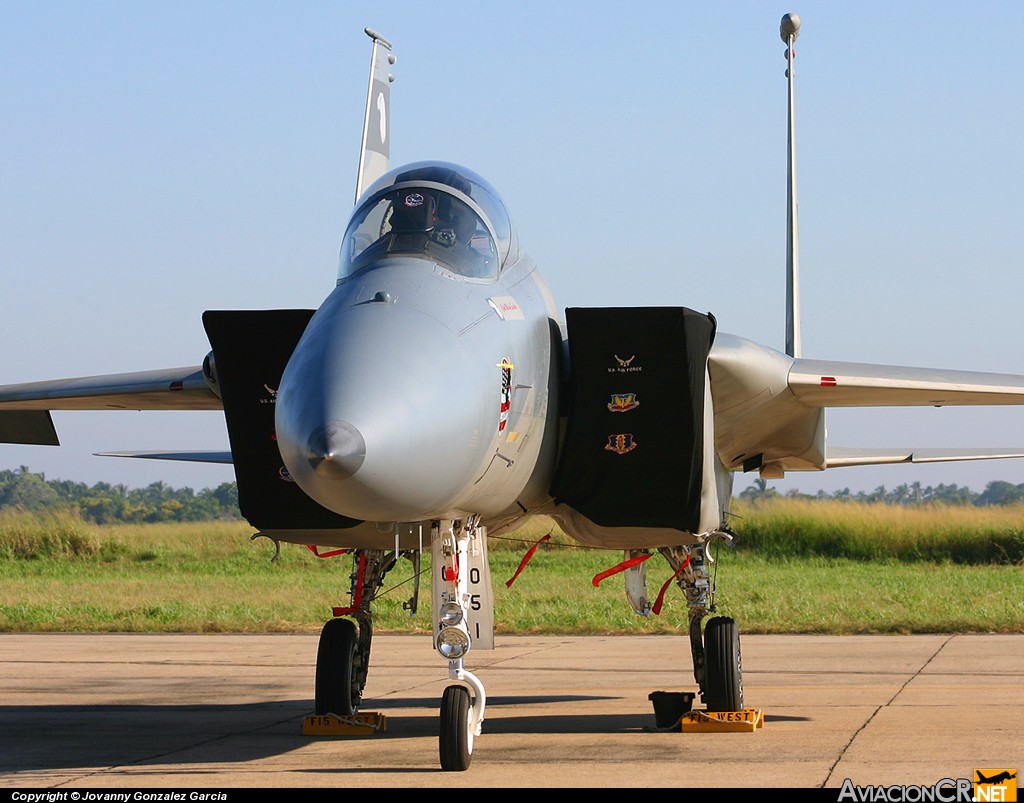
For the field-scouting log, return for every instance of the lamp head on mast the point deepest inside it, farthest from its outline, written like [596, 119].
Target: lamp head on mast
[789, 28]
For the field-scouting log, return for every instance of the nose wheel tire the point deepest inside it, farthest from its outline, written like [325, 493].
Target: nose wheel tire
[337, 691]
[723, 668]
[456, 742]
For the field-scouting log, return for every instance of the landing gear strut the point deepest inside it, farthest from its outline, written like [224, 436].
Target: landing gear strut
[458, 567]
[717, 665]
[343, 655]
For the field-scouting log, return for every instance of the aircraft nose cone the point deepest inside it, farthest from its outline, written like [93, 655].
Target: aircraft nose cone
[336, 450]
[381, 410]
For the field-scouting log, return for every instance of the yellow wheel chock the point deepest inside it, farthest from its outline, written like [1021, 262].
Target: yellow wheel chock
[363, 723]
[749, 719]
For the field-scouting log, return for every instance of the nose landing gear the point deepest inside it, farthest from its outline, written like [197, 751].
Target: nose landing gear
[463, 612]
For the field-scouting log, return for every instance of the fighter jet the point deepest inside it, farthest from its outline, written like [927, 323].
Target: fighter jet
[438, 396]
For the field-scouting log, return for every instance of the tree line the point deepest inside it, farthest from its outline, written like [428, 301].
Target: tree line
[997, 492]
[104, 503]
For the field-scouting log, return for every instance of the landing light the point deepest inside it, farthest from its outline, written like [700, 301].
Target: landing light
[451, 614]
[453, 643]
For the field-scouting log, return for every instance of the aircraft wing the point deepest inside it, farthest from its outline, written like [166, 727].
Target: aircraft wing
[769, 407]
[827, 383]
[25, 408]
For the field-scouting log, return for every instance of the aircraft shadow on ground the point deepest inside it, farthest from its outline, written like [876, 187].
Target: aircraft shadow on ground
[76, 736]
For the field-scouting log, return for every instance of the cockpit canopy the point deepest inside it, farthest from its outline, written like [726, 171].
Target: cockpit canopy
[434, 210]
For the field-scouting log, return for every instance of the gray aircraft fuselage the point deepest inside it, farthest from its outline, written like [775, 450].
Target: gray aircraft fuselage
[419, 393]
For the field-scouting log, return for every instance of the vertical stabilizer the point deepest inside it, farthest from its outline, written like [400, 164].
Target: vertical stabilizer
[789, 30]
[376, 147]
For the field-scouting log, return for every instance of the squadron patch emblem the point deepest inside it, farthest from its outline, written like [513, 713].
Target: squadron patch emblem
[623, 402]
[620, 444]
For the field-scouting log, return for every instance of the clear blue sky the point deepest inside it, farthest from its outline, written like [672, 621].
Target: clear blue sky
[161, 159]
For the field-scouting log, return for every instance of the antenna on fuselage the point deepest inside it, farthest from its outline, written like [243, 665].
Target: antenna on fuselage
[789, 30]
[375, 153]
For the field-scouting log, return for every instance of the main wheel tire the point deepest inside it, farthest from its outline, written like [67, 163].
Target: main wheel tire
[723, 666]
[336, 689]
[456, 742]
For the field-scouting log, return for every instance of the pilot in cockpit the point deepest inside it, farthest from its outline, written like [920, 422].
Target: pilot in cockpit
[454, 223]
[412, 211]
[442, 224]
[422, 220]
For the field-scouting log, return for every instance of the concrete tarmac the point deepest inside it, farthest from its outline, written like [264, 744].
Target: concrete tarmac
[216, 712]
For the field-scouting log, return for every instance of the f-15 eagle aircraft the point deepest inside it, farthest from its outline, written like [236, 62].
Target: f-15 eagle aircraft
[438, 396]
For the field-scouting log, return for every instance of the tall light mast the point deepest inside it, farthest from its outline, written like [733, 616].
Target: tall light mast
[789, 29]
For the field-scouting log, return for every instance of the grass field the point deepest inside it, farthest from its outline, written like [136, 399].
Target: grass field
[799, 567]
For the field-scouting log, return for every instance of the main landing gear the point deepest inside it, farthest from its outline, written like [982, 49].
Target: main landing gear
[723, 667]
[464, 618]
[343, 654]
[338, 685]
[717, 663]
